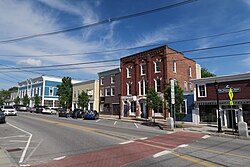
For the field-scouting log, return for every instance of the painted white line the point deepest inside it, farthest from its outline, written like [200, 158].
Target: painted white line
[183, 145]
[17, 141]
[13, 136]
[126, 142]
[144, 138]
[59, 158]
[28, 157]
[28, 142]
[161, 153]
[136, 125]
[98, 120]
[205, 137]
[115, 122]
[170, 132]
[24, 165]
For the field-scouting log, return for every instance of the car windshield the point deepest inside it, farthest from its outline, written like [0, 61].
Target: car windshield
[8, 107]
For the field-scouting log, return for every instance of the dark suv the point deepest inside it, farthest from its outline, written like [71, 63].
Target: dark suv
[64, 112]
[78, 113]
[2, 116]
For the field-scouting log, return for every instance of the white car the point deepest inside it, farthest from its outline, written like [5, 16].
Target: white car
[48, 110]
[9, 110]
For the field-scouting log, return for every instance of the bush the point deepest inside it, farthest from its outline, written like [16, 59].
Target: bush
[179, 126]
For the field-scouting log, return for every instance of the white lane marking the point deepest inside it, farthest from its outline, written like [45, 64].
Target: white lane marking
[24, 165]
[161, 153]
[13, 136]
[144, 138]
[126, 142]
[17, 141]
[115, 122]
[136, 125]
[183, 145]
[28, 142]
[98, 120]
[170, 132]
[59, 158]
[205, 137]
[28, 157]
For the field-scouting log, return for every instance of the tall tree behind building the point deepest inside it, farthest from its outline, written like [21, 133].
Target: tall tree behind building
[205, 73]
[65, 90]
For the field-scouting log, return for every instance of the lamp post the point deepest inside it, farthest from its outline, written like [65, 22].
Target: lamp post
[216, 85]
[119, 95]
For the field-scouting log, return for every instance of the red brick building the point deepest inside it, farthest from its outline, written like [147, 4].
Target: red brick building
[206, 99]
[152, 68]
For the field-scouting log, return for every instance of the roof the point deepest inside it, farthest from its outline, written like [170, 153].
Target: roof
[109, 72]
[223, 78]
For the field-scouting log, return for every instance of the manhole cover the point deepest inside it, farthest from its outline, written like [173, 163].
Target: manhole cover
[14, 149]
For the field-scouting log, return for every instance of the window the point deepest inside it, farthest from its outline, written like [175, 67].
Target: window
[157, 85]
[174, 66]
[157, 66]
[112, 79]
[112, 91]
[74, 93]
[142, 87]
[190, 72]
[129, 71]
[107, 91]
[190, 86]
[184, 107]
[129, 87]
[40, 91]
[102, 80]
[143, 69]
[202, 91]
[51, 91]
[101, 93]
[185, 86]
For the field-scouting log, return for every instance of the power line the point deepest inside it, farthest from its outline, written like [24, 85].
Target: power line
[103, 61]
[131, 48]
[109, 20]
[93, 67]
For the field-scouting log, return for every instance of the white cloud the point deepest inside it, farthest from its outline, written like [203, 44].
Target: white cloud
[247, 2]
[30, 62]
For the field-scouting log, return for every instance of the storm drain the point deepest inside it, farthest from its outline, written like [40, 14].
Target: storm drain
[14, 149]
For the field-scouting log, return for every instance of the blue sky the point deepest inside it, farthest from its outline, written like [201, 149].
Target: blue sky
[200, 18]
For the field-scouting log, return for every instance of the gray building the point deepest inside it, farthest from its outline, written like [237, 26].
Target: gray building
[110, 88]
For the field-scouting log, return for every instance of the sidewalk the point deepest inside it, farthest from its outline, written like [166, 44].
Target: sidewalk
[161, 123]
[5, 159]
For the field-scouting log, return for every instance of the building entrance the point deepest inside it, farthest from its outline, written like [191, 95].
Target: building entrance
[230, 116]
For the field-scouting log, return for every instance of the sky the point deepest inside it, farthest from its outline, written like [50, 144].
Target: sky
[19, 18]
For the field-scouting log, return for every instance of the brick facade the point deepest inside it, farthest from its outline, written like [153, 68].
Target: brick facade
[165, 57]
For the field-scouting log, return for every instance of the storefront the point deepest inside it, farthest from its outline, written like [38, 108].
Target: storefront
[233, 97]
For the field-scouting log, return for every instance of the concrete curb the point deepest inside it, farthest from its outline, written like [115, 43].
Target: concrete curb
[6, 159]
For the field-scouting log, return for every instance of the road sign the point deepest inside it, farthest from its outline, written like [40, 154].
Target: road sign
[231, 102]
[231, 94]
[172, 92]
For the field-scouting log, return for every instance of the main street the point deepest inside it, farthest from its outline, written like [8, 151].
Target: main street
[47, 140]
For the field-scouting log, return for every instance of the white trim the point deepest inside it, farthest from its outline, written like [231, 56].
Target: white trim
[127, 70]
[112, 93]
[128, 88]
[102, 81]
[174, 67]
[190, 71]
[159, 66]
[111, 76]
[43, 92]
[143, 64]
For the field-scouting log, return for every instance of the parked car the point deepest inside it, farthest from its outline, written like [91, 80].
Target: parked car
[91, 114]
[2, 117]
[78, 113]
[64, 112]
[53, 110]
[19, 107]
[39, 109]
[31, 109]
[9, 110]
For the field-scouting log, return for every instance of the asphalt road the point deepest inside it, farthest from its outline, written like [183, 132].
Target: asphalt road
[33, 139]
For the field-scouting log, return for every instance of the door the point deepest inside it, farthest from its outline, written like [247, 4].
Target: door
[231, 119]
[125, 110]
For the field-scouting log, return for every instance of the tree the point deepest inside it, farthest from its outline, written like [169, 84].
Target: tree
[26, 100]
[178, 95]
[154, 100]
[83, 100]
[205, 73]
[37, 100]
[1, 100]
[17, 100]
[65, 90]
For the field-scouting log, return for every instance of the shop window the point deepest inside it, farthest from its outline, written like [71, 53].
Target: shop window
[202, 91]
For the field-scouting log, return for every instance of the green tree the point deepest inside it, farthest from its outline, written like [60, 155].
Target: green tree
[1, 100]
[13, 89]
[65, 90]
[154, 100]
[205, 73]
[37, 100]
[83, 100]
[17, 100]
[178, 95]
[26, 100]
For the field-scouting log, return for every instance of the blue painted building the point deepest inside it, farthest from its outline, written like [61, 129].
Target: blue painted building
[44, 86]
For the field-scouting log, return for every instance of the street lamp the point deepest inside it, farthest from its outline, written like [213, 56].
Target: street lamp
[119, 95]
[216, 85]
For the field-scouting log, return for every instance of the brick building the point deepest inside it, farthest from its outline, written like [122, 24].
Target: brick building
[109, 82]
[152, 68]
[206, 100]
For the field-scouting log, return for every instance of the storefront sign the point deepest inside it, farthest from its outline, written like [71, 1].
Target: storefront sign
[226, 90]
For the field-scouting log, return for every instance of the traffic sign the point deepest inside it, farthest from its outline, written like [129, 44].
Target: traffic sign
[231, 102]
[231, 94]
